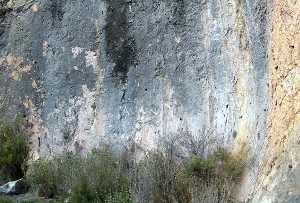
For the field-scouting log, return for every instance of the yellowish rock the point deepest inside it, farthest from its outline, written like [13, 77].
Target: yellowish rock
[35, 8]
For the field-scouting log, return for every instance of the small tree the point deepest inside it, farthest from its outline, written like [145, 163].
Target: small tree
[14, 149]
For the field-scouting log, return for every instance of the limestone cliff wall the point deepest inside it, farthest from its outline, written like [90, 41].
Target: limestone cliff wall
[142, 71]
[279, 177]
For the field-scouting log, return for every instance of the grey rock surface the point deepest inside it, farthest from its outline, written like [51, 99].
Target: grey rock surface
[136, 71]
[14, 188]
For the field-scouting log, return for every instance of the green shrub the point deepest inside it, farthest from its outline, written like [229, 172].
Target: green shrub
[183, 193]
[215, 177]
[160, 178]
[4, 199]
[14, 149]
[199, 166]
[39, 200]
[232, 168]
[101, 176]
[32, 201]
[94, 178]
[45, 177]
[220, 163]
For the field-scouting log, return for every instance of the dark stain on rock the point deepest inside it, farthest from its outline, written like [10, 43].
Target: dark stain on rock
[121, 46]
[179, 14]
[57, 11]
[4, 23]
[234, 134]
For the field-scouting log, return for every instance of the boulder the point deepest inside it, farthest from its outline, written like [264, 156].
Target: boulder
[14, 187]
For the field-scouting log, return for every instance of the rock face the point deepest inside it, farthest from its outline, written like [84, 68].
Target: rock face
[279, 177]
[14, 188]
[143, 71]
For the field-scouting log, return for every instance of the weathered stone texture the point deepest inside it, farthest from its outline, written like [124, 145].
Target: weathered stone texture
[279, 178]
[137, 71]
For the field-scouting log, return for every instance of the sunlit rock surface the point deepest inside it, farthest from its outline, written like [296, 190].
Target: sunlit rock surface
[129, 72]
[279, 177]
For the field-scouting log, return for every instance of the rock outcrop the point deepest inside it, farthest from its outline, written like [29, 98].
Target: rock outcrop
[279, 177]
[14, 188]
[140, 72]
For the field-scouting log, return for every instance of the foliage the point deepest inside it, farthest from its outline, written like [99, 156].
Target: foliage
[94, 178]
[102, 176]
[216, 175]
[14, 149]
[4, 199]
[199, 166]
[160, 178]
[26, 199]
[46, 177]
[220, 163]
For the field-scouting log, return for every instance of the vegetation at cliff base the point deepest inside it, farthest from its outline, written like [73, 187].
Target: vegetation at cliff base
[98, 177]
[107, 176]
[14, 148]
[104, 176]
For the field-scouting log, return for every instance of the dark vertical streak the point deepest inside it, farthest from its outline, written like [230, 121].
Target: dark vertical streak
[120, 45]
[179, 13]
[56, 9]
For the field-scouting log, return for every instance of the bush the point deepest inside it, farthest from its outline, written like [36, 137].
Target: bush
[94, 178]
[160, 178]
[101, 176]
[232, 167]
[45, 177]
[14, 149]
[216, 176]
[199, 166]
[220, 163]
[4, 199]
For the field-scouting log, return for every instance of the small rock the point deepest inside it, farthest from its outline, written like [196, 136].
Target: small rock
[14, 188]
